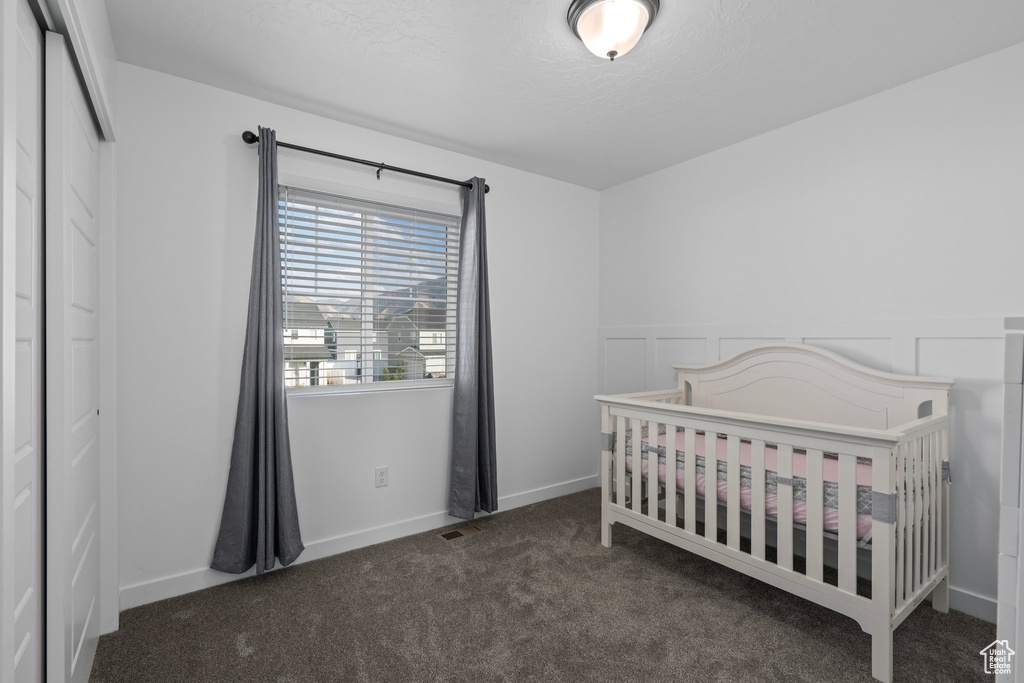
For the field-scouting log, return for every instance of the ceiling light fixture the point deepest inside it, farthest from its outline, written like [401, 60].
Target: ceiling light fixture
[611, 28]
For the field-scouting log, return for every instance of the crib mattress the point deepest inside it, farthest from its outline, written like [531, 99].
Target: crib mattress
[830, 487]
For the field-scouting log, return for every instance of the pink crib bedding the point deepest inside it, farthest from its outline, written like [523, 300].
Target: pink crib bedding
[830, 471]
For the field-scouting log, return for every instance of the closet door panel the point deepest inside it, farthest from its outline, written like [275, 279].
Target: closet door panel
[26, 503]
[72, 371]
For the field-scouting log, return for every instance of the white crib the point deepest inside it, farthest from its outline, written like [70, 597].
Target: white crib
[876, 443]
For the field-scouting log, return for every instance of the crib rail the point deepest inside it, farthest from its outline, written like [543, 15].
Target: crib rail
[669, 404]
[903, 470]
[922, 508]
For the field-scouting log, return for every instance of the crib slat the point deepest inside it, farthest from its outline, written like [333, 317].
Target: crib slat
[947, 447]
[901, 520]
[933, 486]
[936, 502]
[815, 523]
[908, 528]
[606, 477]
[652, 470]
[636, 497]
[711, 486]
[928, 531]
[848, 523]
[911, 516]
[733, 501]
[757, 498]
[924, 477]
[943, 519]
[784, 497]
[670, 475]
[620, 461]
[936, 483]
[918, 505]
[690, 483]
[925, 510]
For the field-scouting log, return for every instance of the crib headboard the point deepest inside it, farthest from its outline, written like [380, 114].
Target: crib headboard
[796, 381]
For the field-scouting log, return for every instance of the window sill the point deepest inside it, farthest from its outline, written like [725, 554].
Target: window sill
[368, 388]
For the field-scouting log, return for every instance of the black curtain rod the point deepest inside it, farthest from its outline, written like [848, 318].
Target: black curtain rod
[251, 138]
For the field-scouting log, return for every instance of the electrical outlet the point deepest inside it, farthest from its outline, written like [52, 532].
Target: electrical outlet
[380, 476]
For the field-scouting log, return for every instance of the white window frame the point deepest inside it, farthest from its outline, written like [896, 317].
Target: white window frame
[453, 207]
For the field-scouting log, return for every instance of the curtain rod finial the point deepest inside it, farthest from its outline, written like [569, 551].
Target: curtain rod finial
[249, 137]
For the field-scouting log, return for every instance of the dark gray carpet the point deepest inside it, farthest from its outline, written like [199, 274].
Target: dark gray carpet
[534, 598]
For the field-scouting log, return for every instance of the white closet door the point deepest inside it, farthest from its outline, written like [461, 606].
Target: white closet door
[25, 504]
[72, 371]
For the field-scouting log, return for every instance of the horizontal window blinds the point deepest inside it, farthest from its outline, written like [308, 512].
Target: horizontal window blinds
[369, 290]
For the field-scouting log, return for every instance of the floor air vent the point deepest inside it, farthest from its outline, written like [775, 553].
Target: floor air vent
[468, 530]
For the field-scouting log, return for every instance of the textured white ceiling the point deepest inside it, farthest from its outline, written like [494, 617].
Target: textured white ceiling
[507, 81]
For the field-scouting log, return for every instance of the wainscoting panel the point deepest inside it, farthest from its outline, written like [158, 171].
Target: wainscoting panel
[624, 363]
[669, 351]
[871, 351]
[963, 357]
[730, 346]
[969, 350]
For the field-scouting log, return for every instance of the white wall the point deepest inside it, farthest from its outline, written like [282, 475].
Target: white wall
[863, 228]
[186, 196]
[913, 194]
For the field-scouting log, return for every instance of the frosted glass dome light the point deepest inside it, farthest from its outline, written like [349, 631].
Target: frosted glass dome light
[611, 28]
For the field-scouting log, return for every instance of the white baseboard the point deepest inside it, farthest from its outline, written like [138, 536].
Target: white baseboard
[518, 500]
[980, 606]
[198, 579]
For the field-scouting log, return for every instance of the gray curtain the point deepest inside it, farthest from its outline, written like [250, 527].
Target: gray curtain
[260, 519]
[474, 484]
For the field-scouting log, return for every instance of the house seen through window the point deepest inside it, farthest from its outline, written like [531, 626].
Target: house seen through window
[369, 290]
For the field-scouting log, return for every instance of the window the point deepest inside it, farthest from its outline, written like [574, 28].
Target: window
[369, 290]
